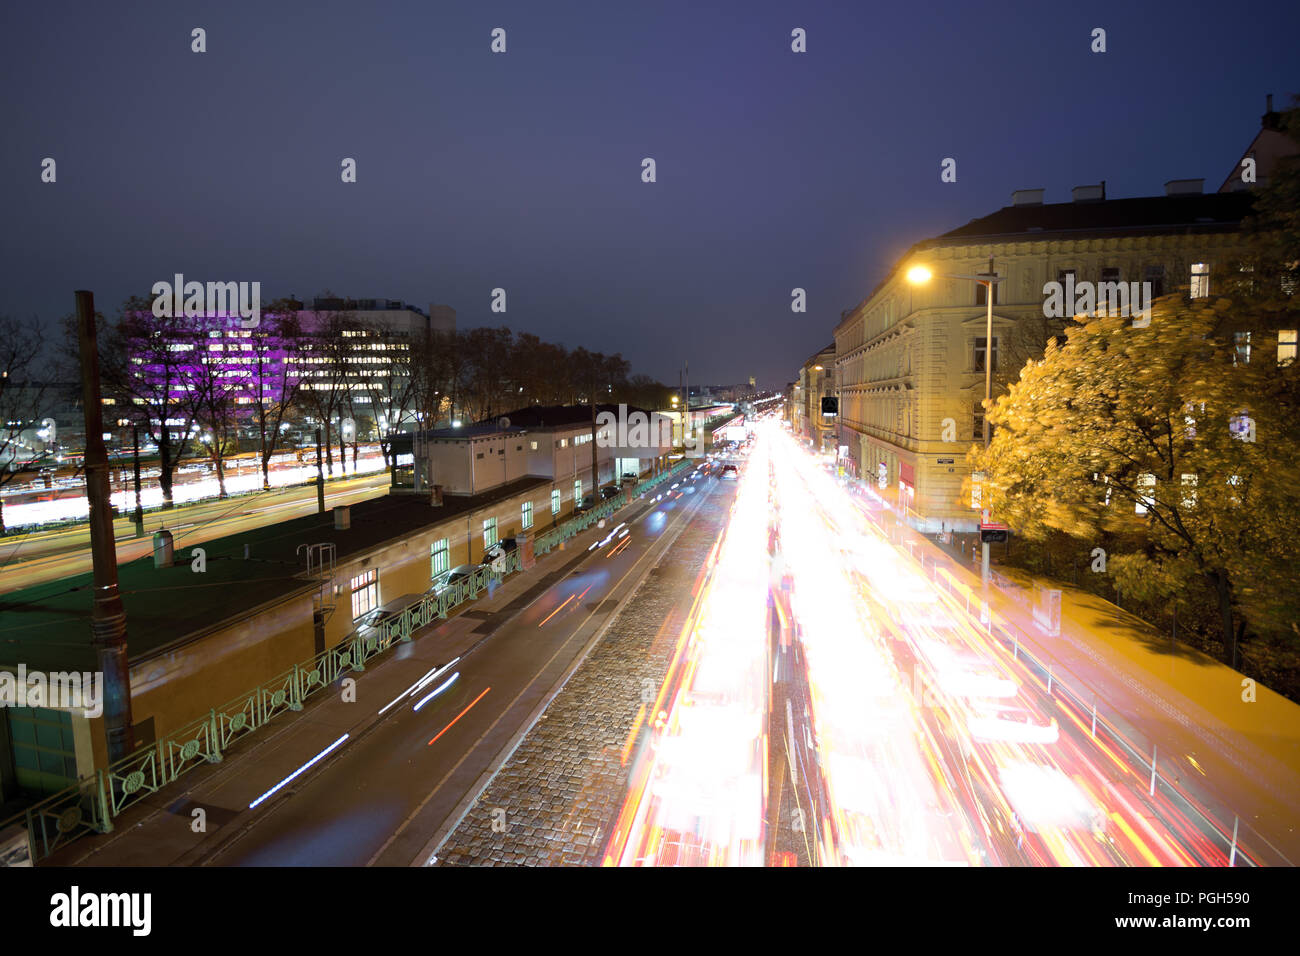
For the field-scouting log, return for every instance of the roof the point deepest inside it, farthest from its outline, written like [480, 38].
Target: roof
[48, 625]
[1146, 215]
[558, 416]
[1142, 216]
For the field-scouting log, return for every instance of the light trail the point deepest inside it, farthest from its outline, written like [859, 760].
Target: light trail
[697, 794]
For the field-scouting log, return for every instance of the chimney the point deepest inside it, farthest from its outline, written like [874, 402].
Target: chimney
[1027, 197]
[1184, 187]
[1089, 193]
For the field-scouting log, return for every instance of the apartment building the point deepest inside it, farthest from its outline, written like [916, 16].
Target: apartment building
[810, 421]
[910, 359]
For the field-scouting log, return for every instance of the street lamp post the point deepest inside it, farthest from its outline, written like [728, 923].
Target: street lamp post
[918, 275]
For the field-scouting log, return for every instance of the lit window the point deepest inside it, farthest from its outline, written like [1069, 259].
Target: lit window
[489, 532]
[555, 502]
[526, 514]
[1286, 346]
[365, 592]
[1200, 280]
[577, 491]
[1241, 340]
[439, 557]
[532, 445]
[1146, 493]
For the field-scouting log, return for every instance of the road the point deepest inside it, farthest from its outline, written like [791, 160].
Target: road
[386, 796]
[899, 729]
[37, 557]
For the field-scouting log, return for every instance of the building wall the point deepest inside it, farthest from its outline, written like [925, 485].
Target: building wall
[906, 356]
[183, 681]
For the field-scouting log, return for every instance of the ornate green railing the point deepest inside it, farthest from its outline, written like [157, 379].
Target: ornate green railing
[93, 802]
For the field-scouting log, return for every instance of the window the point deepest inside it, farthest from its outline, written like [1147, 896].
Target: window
[365, 592]
[526, 510]
[439, 557]
[479, 456]
[1146, 485]
[44, 754]
[1155, 277]
[577, 491]
[1286, 346]
[1241, 344]
[1200, 280]
[555, 502]
[489, 532]
[981, 293]
[977, 428]
[1108, 294]
[980, 346]
[532, 445]
[564, 443]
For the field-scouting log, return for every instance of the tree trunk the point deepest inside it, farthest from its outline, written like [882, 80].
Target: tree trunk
[166, 468]
[1224, 591]
[329, 450]
[266, 470]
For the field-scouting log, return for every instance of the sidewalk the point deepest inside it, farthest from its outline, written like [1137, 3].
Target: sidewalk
[1236, 758]
[161, 829]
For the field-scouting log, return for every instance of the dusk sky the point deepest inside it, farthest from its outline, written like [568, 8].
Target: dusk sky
[522, 170]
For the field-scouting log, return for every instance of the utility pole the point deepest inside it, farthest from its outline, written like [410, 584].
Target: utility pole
[320, 476]
[139, 509]
[108, 619]
[988, 389]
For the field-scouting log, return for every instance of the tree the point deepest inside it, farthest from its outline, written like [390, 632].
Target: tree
[272, 388]
[1160, 439]
[323, 389]
[145, 369]
[216, 378]
[21, 401]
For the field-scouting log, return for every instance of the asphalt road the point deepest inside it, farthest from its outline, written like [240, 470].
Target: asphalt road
[388, 795]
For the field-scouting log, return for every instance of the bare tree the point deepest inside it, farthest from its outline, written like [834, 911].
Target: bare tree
[273, 386]
[21, 401]
[145, 367]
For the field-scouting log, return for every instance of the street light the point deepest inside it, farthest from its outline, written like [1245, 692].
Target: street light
[919, 275]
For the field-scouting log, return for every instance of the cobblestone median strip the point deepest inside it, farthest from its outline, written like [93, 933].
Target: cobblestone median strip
[553, 801]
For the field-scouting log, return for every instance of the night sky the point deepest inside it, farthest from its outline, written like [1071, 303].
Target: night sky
[523, 170]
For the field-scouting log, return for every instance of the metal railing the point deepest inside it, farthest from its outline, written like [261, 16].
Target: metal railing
[92, 803]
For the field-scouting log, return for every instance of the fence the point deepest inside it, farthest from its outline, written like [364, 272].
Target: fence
[94, 802]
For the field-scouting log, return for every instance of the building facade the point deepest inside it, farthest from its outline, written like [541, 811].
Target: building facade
[910, 359]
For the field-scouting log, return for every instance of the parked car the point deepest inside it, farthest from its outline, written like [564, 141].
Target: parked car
[586, 504]
[447, 579]
[609, 491]
[372, 621]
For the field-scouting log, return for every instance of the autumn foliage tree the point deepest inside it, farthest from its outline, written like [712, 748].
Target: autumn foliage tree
[1172, 446]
